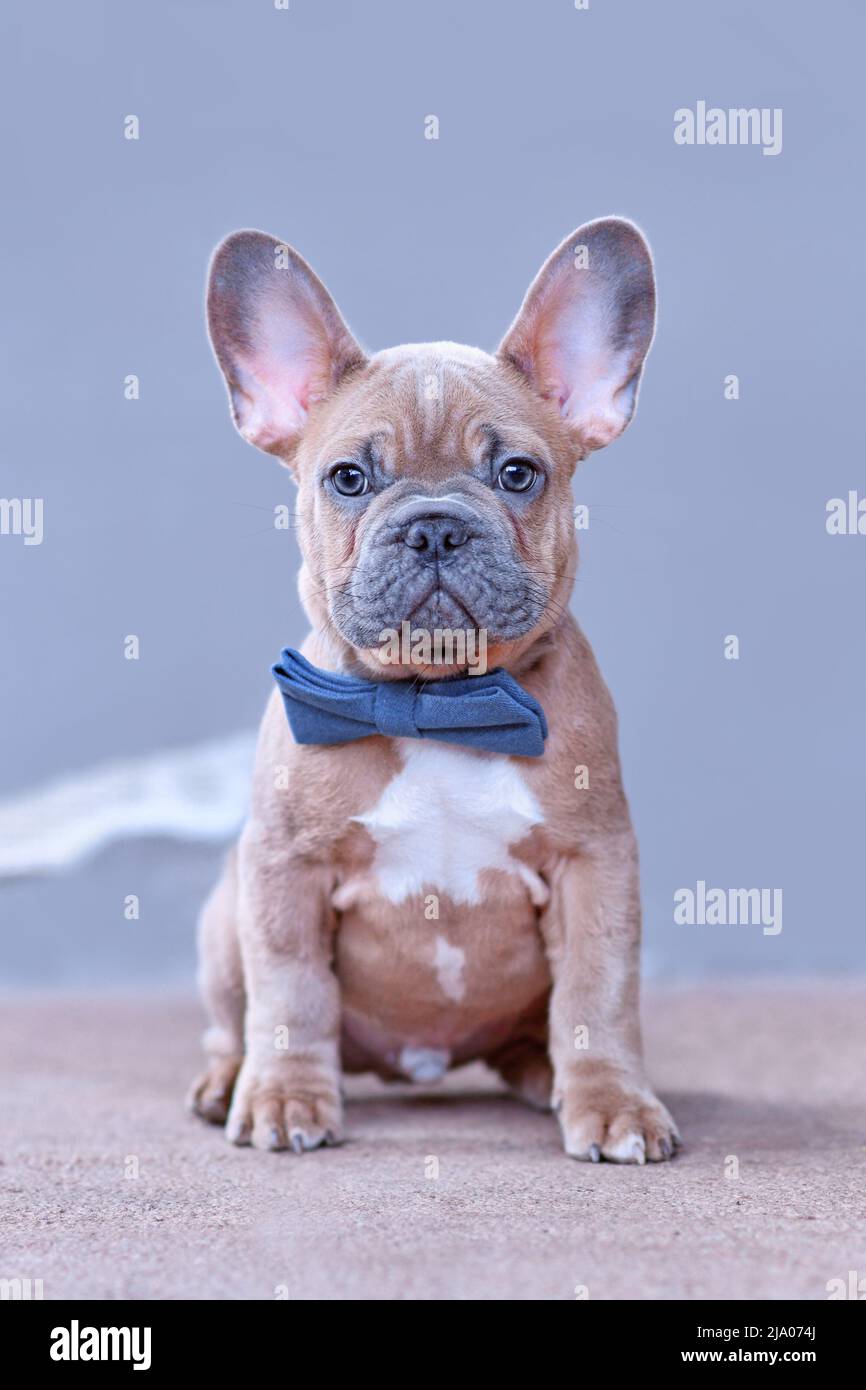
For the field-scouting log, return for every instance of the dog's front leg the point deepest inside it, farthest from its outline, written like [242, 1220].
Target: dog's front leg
[288, 1090]
[591, 928]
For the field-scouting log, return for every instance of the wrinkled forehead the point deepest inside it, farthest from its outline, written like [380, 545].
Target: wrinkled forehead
[434, 409]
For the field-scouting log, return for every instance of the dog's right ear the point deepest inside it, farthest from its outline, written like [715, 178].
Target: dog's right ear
[278, 336]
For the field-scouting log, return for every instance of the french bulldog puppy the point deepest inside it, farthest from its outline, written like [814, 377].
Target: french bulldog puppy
[404, 905]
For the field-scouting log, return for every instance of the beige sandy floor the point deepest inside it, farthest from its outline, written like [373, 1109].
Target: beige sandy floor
[771, 1076]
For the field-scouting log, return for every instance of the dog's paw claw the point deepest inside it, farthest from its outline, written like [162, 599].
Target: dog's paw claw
[296, 1107]
[241, 1135]
[607, 1120]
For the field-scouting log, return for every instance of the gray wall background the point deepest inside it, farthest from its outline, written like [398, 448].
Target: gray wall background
[708, 517]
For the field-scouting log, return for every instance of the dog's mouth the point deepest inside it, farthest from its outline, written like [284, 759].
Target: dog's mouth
[492, 605]
[440, 606]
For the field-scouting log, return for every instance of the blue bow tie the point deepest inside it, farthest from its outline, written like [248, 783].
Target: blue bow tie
[490, 711]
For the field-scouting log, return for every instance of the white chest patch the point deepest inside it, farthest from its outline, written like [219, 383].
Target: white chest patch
[450, 961]
[443, 819]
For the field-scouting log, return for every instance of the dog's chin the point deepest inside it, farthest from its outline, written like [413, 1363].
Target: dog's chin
[371, 659]
[395, 650]
[401, 656]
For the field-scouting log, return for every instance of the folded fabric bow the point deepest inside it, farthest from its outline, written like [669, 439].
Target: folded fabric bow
[492, 711]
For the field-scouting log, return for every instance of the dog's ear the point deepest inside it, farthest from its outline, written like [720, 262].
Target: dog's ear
[278, 336]
[585, 327]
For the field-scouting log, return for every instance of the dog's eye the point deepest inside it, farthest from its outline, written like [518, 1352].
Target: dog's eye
[349, 481]
[517, 475]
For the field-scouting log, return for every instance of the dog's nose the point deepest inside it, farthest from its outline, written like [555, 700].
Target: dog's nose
[436, 537]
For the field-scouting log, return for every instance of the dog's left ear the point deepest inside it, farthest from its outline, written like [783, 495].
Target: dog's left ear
[278, 336]
[585, 327]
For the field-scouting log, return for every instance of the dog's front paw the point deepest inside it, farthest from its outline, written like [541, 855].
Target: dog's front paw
[603, 1116]
[294, 1104]
[211, 1093]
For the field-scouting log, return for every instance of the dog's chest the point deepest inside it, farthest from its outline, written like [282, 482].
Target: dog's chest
[445, 818]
